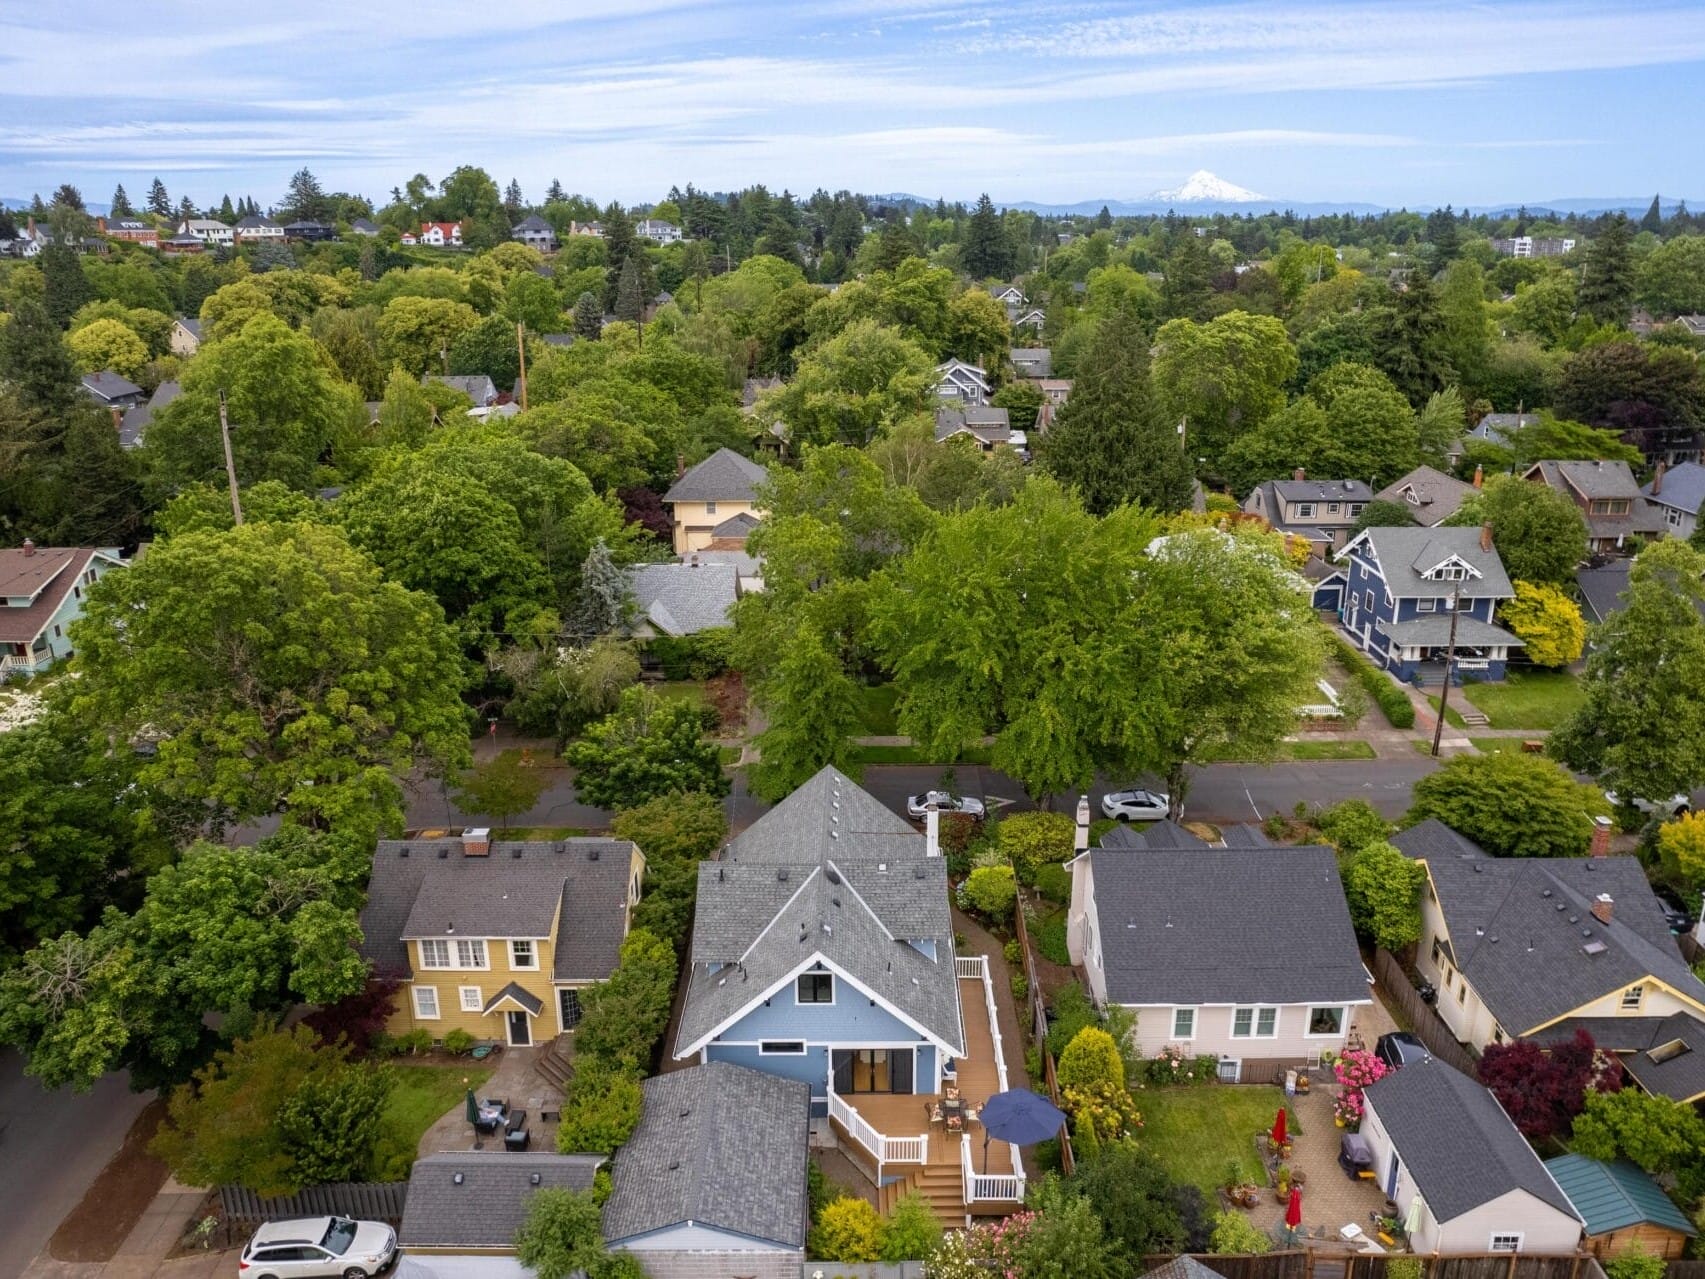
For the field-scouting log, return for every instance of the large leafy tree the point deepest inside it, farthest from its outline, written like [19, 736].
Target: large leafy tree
[1383, 888]
[1543, 1089]
[561, 1237]
[1642, 726]
[1548, 623]
[853, 387]
[417, 333]
[1540, 534]
[1512, 805]
[234, 932]
[1636, 388]
[1224, 377]
[1111, 442]
[1671, 278]
[275, 669]
[648, 746]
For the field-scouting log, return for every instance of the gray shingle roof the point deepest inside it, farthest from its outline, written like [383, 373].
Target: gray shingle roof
[1499, 427]
[1683, 487]
[476, 386]
[739, 526]
[1615, 1195]
[1404, 554]
[487, 1209]
[1587, 481]
[1433, 840]
[991, 425]
[720, 1146]
[109, 386]
[1602, 589]
[800, 827]
[1202, 926]
[724, 476]
[190, 324]
[1435, 630]
[1165, 833]
[1184, 1267]
[1032, 361]
[1664, 1055]
[136, 420]
[1430, 495]
[422, 894]
[525, 998]
[534, 223]
[1322, 490]
[684, 599]
[1456, 1141]
[1518, 927]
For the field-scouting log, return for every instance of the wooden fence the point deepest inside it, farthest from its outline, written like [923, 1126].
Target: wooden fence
[1686, 1270]
[1039, 1031]
[1428, 1025]
[1336, 1263]
[364, 1200]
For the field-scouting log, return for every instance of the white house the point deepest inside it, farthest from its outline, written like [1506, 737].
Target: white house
[657, 229]
[41, 594]
[208, 230]
[440, 234]
[1452, 1161]
[256, 229]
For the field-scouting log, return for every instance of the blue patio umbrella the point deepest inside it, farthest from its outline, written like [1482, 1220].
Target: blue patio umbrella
[1020, 1117]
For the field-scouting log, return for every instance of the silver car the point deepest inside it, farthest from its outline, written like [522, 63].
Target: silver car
[1135, 805]
[941, 801]
[319, 1248]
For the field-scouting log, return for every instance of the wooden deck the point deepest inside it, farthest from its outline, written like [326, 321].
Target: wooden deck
[940, 1180]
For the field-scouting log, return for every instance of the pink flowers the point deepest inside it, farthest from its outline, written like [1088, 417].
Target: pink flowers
[1354, 1071]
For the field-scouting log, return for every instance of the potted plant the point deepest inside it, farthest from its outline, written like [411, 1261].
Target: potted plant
[1282, 1181]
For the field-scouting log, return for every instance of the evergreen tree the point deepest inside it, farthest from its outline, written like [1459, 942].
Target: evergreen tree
[121, 203]
[1444, 235]
[1654, 219]
[588, 318]
[1187, 291]
[1607, 280]
[618, 247]
[67, 288]
[35, 360]
[227, 214]
[604, 597]
[1414, 340]
[1110, 441]
[158, 201]
[984, 252]
[8, 225]
[305, 200]
[69, 197]
[38, 210]
[554, 193]
[630, 294]
[779, 240]
[1104, 219]
[186, 209]
[895, 244]
[513, 202]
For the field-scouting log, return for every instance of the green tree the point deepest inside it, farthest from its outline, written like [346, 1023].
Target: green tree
[276, 670]
[1681, 852]
[1224, 377]
[1235, 1234]
[1642, 725]
[1066, 1239]
[588, 318]
[649, 746]
[120, 203]
[605, 598]
[1671, 278]
[108, 344]
[1411, 339]
[1384, 515]
[1136, 1200]
[332, 1123]
[675, 832]
[911, 1231]
[985, 252]
[1660, 1135]
[416, 333]
[305, 199]
[1540, 534]
[1607, 276]
[490, 348]
[990, 891]
[625, 1015]
[1111, 441]
[823, 711]
[35, 361]
[1632, 387]
[1352, 824]
[159, 203]
[853, 387]
[562, 1236]
[600, 1108]
[1467, 332]
[847, 1230]
[501, 787]
[1187, 293]
[1383, 888]
[67, 285]
[1547, 622]
[977, 329]
[1512, 805]
[630, 293]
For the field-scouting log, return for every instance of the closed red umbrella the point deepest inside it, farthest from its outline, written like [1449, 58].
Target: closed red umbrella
[1279, 1134]
[1293, 1212]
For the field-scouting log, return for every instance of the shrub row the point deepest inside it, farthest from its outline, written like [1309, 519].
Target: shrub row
[1391, 699]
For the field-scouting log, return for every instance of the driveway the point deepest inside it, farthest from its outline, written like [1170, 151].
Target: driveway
[52, 1146]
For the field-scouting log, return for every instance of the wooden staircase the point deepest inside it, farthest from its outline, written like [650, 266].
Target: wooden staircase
[940, 1185]
[555, 1064]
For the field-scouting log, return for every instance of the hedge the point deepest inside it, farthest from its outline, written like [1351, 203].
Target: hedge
[1392, 701]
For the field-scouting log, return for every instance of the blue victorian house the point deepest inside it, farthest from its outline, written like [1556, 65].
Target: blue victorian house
[1398, 587]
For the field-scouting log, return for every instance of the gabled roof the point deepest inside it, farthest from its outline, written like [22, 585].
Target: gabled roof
[1615, 1195]
[1664, 1055]
[1165, 833]
[1202, 925]
[1499, 427]
[518, 995]
[189, 324]
[1183, 1267]
[724, 476]
[1456, 1141]
[429, 888]
[1430, 495]
[254, 221]
[488, 1206]
[1588, 479]
[109, 386]
[989, 425]
[45, 578]
[1322, 490]
[719, 1146]
[684, 599]
[1683, 487]
[137, 418]
[1520, 929]
[736, 527]
[1033, 361]
[1404, 555]
[476, 386]
[534, 223]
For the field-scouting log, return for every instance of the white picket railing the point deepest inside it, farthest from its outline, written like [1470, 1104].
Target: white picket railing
[884, 1149]
[985, 1187]
[979, 1187]
[973, 966]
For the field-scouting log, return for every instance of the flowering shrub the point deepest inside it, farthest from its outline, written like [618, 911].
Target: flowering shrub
[1354, 1071]
[1171, 1067]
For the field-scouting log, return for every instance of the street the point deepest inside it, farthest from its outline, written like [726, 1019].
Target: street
[52, 1146]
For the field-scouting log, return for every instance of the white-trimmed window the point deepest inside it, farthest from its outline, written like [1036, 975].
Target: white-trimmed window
[1305, 510]
[710, 508]
[816, 988]
[434, 953]
[1327, 1022]
[1672, 517]
[1356, 508]
[1633, 997]
[1332, 508]
[523, 954]
[1426, 605]
[1183, 1023]
[470, 952]
[1505, 1241]
[426, 1002]
[1254, 1023]
[473, 999]
[781, 1048]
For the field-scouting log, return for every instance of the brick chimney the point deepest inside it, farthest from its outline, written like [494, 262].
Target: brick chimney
[1600, 846]
[476, 841]
[1604, 909]
[117, 416]
[1486, 537]
[1479, 476]
[1080, 837]
[101, 225]
[1299, 474]
[1658, 478]
[29, 548]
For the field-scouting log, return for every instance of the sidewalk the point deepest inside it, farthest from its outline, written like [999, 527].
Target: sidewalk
[143, 1254]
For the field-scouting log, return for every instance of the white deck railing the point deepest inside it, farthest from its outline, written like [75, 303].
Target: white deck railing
[981, 1187]
[973, 966]
[884, 1149]
[986, 1187]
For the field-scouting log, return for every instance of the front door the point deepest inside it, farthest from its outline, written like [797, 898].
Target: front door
[520, 1030]
[1391, 1177]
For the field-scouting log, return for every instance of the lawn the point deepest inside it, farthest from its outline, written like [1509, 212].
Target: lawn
[1326, 748]
[421, 1096]
[876, 711]
[1528, 699]
[1197, 1132]
[728, 756]
[1451, 716]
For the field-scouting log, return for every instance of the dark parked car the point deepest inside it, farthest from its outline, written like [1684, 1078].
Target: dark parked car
[1399, 1048]
[1676, 914]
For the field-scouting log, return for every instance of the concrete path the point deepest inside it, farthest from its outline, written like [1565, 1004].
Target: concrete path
[143, 1254]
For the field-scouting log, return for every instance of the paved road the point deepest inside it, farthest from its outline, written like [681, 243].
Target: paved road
[52, 1145]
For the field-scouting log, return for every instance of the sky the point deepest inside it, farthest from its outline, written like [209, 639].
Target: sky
[1048, 100]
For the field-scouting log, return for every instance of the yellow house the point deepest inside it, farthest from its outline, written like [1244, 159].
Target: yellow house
[497, 938]
[723, 485]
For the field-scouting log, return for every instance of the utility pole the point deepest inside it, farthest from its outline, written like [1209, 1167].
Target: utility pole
[1450, 663]
[230, 465]
[521, 348]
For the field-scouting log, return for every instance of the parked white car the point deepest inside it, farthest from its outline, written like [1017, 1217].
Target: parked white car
[941, 801]
[1674, 806]
[1135, 805]
[319, 1248]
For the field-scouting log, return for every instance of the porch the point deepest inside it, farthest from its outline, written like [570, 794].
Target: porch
[896, 1143]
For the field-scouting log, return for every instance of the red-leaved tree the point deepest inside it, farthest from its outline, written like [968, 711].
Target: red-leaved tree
[1544, 1089]
[358, 1018]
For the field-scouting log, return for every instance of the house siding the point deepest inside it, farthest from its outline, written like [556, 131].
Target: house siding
[1458, 1003]
[53, 643]
[693, 523]
[1367, 604]
[714, 1264]
[812, 1068]
[1290, 1046]
[495, 1024]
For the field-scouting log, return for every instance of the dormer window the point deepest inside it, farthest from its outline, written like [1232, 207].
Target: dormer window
[1453, 572]
[1305, 510]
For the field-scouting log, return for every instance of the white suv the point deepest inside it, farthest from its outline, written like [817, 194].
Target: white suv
[319, 1248]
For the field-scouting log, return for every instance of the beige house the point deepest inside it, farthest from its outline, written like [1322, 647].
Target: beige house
[705, 496]
[186, 336]
[497, 938]
[1323, 511]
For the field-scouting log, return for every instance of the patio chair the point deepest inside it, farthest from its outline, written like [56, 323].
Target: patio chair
[516, 1139]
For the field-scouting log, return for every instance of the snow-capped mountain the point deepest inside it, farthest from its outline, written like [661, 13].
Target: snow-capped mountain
[1202, 187]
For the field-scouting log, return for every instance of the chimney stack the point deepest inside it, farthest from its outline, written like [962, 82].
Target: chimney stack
[117, 416]
[29, 548]
[1604, 909]
[1299, 474]
[932, 832]
[1658, 478]
[1479, 476]
[680, 465]
[1601, 837]
[1485, 537]
[1080, 836]
[476, 841]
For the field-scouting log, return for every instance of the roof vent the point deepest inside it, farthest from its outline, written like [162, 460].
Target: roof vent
[719, 875]
[918, 871]
[562, 845]
[1561, 908]
[835, 902]
[443, 853]
[882, 867]
[832, 875]
[834, 834]
[1594, 948]
[674, 1165]
[515, 852]
[533, 1179]
[781, 873]
[592, 853]
[403, 851]
[456, 1178]
[1479, 869]
[1545, 892]
[1574, 919]
[685, 1111]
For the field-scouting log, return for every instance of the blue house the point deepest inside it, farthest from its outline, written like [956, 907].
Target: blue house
[1397, 589]
[41, 594]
